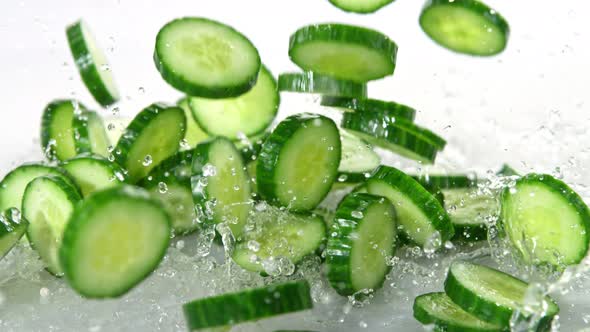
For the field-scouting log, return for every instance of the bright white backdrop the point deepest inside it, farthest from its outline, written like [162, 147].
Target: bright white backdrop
[528, 106]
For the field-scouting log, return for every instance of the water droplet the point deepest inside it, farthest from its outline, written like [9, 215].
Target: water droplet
[147, 160]
[209, 170]
[253, 245]
[357, 214]
[162, 188]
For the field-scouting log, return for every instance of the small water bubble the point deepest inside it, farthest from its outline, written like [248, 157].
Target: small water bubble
[357, 214]
[44, 292]
[147, 160]
[162, 188]
[209, 170]
[111, 126]
[260, 206]
[115, 110]
[141, 90]
[105, 67]
[180, 244]
[253, 246]
[449, 245]
[363, 324]
[184, 144]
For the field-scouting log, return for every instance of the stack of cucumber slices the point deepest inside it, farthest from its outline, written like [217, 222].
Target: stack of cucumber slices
[101, 213]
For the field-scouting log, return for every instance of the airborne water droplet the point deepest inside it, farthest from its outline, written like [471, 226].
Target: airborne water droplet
[147, 160]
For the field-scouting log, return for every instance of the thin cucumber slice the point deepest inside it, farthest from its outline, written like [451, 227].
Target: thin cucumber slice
[439, 309]
[48, 203]
[387, 108]
[358, 159]
[114, 240]
[507, 170]
[90, 134]
[383, 133]
[310, 82]
[246, 115]
[470, 213]
[220, 185]
[12, 227]
[290, 237]
[93, 173]
[92, 64]
[361, 6]
[420, 216]
[465, 26]
[154, 135]
[546, 221]
[299, 161]
[361, 243]
[115, 128]
[492, 295]
[343, 51]
[170, 183]
[194, 134]
[248, 305]
[444, 182]
[205, 58]
[12, 187]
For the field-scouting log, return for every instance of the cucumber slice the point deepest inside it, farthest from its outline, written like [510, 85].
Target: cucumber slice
[419, 214]
[343, 51]
[114, 240]
[194, 134]
[48, 203]
[310, 82]
[386, 108]
[89, 134]
[220, 185]
[381, 132]
[93, 173]
[444, 182]
[470, 212]
[13, 185]
[170, 183]
[438, 309]
[92, 64]
[507, 170]
[12, 227]
[491, 295]
[465, 26]
[361, 243]
[248, 114]
[290, 237]
[248, 305]
[205, 58]
[358, 159]
[154, 135]
[546, 221]
[360, 6]
[299, 161]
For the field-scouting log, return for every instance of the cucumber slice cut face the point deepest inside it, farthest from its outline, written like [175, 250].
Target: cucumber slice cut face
[278, 236]
[154, 135]
[360, 6]
[94, 173]
[12, 227]
[13, 185]
[387, 108]
[205, 58]
[361, 243]
[248, 114]
[465, 26]
[546, 221]
[247, 305]
[48, 203]
[194, 134]
[114, 239]
[310, 82]
[92, 64]
[220, 185]
[299, 162]
[470, 213]
[343, 51]
[491, 295]
[358, 159]
[439, 309]
[420, 216]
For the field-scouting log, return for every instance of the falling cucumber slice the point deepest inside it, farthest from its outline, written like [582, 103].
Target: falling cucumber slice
[93, 173]
[361, 6]
[310, 82]
[12, 227]
[386, 108]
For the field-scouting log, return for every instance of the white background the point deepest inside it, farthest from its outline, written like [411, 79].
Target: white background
[528, 106]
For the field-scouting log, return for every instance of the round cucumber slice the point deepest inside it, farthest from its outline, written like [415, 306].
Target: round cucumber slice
[194, 134]
[248, 305]
[470, 212]
[546, 221]
[299, 161]
[419, 213]
[465, 26]
[358, 159]
[114, 240]
[12, 227]
[343, 51]
[154, 135]
[360, 6]
[92, 64]
[387, 108]
[361, 242]
[205, 58]
[220, 185]
[310, 82]
[90, 134]
[48, 203]
[491, 295]
[438, 309]
[93, 173]
[248, 114]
